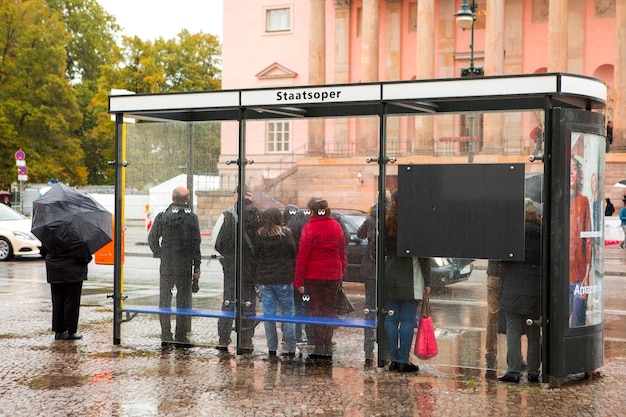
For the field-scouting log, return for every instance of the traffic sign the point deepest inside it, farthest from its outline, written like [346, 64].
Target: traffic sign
[22, 170]
[20, 155]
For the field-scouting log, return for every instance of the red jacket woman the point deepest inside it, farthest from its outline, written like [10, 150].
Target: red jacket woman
[322, 251]
[320, 265]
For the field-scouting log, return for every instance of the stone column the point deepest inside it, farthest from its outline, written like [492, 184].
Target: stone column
[424, 70]
[446, 123]
[557, 36]
[493, 123]
[393, 60]
[317, 67]
[619, 92]
[370, 29]
[342, 63]
[575, 36]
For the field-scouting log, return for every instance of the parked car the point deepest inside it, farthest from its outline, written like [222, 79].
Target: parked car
[15, 236]
[444, 271]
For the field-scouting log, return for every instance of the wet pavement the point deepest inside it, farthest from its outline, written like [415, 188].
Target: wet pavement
[93, 377]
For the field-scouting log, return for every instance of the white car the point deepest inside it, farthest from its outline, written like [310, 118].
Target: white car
[15, 236]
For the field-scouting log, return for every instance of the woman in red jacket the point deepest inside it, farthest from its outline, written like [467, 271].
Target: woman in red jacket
[320, 265]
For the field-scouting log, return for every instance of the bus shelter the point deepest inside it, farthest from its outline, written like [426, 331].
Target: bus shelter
[464, 155]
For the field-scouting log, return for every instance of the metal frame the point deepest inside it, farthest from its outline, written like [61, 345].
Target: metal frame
[496, 93]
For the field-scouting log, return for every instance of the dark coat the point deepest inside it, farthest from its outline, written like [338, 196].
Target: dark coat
[226, 239]
[275, 259]
[398, 282]
[65, 268]
[296, 224]
[175, 237]
[520, 285]
[367, 230]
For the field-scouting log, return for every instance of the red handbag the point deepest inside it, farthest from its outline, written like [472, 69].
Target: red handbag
[425, 343]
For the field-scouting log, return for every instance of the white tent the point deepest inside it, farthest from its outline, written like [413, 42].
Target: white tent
[161, 195]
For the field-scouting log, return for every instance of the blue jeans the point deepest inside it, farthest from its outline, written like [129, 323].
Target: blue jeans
[281, 295]
[399, 329]
[577, 306]
[515, 326]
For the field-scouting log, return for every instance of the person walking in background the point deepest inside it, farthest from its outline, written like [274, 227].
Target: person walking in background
[609, 135]
[399, 287]
[622, 217]
[225, 244]
[609, 209]
[275, 261]
[175, 239]
[537, 135]
[320, 265]
[521, 300]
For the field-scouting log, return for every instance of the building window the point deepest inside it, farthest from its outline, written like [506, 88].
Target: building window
[278, 19]
[278, 137]
[359, 21]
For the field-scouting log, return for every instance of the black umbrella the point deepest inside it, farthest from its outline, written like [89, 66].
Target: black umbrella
[65, 219]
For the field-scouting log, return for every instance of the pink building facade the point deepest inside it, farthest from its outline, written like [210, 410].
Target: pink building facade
[273, 43]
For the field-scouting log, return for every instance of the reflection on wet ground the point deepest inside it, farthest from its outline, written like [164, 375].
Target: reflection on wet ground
[43, 377]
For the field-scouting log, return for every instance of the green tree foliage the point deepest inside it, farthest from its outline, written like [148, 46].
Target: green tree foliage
[190, 62]
[59, 59]
[38, 105]
[92, 38]
[91, 44]
[159, 151]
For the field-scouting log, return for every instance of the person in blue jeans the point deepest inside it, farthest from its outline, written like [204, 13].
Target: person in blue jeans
[275, 260]
[399, 293]
[622, 217]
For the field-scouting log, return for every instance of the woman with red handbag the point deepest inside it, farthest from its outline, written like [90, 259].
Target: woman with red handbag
[398, 288]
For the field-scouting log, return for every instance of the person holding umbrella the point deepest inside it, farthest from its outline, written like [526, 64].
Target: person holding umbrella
[71, 226]
[175, 238]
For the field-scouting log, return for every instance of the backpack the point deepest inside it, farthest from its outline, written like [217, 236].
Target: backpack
[251, 225]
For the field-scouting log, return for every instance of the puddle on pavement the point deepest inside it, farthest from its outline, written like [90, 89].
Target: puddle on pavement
[52, 381]
[95, 290]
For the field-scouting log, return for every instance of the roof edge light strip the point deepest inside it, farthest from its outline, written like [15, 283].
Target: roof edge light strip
[419, 106]
[283, 111]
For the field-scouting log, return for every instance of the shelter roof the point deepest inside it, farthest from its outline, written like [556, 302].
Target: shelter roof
[454, 95]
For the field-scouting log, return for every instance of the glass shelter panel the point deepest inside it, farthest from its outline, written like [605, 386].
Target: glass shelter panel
[163, 157]
[312, 195]
[310, 223]
[477, 183]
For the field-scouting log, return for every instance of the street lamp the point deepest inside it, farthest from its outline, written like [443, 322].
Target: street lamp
[465, 19]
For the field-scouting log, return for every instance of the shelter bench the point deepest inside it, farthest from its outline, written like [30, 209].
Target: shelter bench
[324, 321]
[133, 311]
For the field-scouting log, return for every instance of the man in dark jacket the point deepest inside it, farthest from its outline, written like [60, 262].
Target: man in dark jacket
[175, 238]
[225, 244]
[520, 300]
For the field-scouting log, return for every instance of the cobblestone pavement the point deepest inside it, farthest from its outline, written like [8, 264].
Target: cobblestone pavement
[93, 377]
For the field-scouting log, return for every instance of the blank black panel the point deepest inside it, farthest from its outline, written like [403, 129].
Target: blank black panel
[461, 211]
